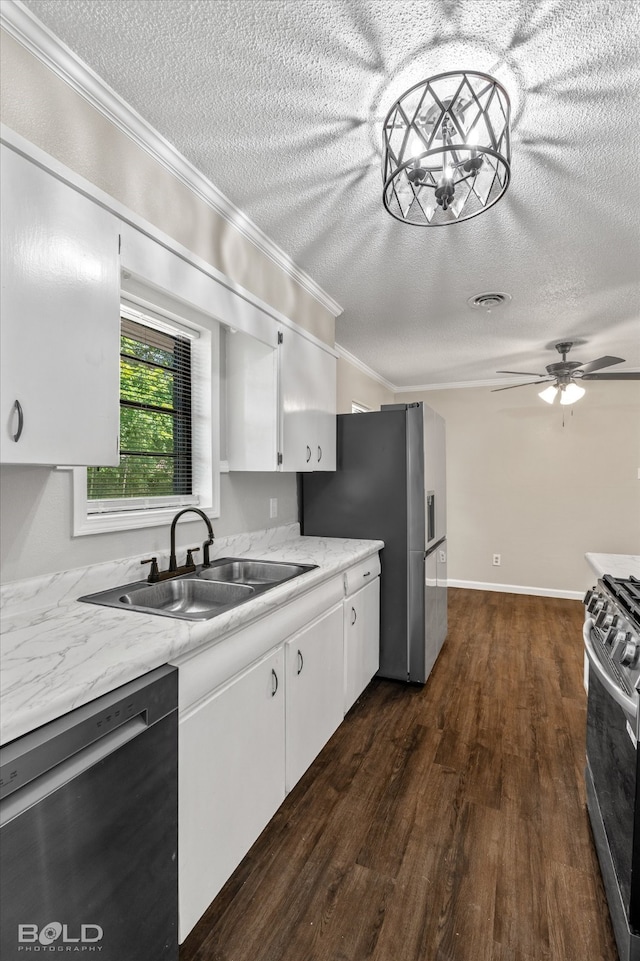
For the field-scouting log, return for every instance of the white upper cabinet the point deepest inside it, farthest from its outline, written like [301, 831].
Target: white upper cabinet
[251, 377]
[281, 403]
[307, 404]
[60, 330]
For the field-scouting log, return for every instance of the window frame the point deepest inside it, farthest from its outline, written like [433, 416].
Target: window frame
[120, 514]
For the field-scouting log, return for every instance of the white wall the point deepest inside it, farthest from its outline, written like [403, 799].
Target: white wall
[36, 521]
[540, 494]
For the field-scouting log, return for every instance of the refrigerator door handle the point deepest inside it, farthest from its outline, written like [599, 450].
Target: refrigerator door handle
[431, 515]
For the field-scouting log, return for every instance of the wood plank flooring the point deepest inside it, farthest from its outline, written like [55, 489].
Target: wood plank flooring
[443, 823]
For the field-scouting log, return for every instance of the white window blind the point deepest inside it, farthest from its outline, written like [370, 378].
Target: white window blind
[155, 423]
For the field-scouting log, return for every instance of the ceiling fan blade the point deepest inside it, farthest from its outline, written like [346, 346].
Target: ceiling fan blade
[520, 373]
[527, 384]
[618, 375]
[599, 363]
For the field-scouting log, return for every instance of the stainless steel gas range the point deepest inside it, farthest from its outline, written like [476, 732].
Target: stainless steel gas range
[612, 645]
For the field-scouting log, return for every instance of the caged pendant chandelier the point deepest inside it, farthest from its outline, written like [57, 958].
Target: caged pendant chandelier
[446, 149]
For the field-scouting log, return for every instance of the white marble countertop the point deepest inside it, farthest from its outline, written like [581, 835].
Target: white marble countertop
[618, 565]
[57, 653]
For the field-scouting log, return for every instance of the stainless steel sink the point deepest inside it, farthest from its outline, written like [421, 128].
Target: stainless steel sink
[255, 573]
[204, 593]
[188, 597]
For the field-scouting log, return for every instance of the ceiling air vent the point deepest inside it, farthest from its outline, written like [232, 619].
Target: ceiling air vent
[489, 301]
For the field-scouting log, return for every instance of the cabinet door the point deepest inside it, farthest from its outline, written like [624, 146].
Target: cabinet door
[252, 403]
[307, 403]
[314, 695]
[361, 640]
[326, 423]
[60, 339]
[231, 780]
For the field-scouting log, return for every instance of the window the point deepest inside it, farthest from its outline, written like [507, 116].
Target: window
[155, 420]
[169, 449]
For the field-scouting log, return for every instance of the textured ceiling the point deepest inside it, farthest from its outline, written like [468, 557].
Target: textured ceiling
[280, 103]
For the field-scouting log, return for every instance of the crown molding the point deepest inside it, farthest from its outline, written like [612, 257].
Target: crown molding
[24, 27]
[374, 375]
[418, 388]
[459, 385]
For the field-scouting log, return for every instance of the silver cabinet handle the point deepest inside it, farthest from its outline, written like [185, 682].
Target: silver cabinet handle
[274, 683]
[355, 616]
[17, 406]
[300, 662]
[319, 453]
[308, 453]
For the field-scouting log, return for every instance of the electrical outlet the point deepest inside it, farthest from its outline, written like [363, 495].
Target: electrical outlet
[496, 560]
[273, 507]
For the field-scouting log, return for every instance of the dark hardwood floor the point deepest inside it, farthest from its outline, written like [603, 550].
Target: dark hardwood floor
[443, 823]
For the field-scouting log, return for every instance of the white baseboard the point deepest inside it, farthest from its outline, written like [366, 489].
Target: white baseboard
[516, 589]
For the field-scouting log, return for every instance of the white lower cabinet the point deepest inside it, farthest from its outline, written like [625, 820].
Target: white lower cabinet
[232, 780]
[314, 669]
[256, 708]
[361, 634]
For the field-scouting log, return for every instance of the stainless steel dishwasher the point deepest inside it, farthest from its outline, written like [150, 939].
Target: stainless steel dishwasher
[88, 829]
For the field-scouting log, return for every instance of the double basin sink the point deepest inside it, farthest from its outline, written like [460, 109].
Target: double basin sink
[203, 593]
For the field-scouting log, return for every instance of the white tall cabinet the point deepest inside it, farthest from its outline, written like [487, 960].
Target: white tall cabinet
[60, 322]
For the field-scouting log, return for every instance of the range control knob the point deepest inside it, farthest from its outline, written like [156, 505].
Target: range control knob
[595, 604]
[588, 595]
[611, 635]
[604, 620]
[630, 653]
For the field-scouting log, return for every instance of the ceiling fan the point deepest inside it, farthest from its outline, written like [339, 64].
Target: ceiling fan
[566, 373]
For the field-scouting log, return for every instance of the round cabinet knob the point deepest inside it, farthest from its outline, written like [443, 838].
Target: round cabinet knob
[631, 652]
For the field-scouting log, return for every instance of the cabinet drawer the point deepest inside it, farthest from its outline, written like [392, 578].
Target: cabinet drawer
[207, 668]
[364, 572]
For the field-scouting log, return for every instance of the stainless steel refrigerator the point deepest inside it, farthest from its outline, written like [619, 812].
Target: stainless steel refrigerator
[390, 484]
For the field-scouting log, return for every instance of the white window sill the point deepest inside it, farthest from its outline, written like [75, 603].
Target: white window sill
[133, 520]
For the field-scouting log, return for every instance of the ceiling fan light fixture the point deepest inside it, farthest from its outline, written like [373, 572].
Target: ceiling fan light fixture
[571, 393]
[446, 149]
[549, 394]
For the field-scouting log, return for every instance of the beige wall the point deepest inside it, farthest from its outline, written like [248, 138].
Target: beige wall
[355, 385]
[540, 494]
[45, 110]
